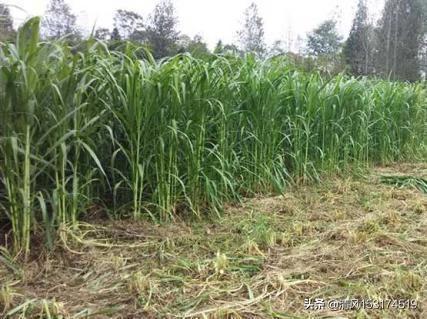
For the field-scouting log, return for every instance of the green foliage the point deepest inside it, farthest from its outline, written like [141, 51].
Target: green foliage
[161, 32]
[59, 21]
[45, 152]
[400, 34]
[182, 135]
[358, 48]
[406, 181]
[196, 47]
[102, 34]
[324, 40]
[252, 35]
[128, 23]
[324, 48]
[6, 24]
[115, 35]
[227, 49]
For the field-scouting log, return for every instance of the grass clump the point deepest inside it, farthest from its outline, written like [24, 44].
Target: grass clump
[406, 181]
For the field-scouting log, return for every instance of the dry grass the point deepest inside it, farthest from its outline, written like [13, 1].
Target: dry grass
[346, 238]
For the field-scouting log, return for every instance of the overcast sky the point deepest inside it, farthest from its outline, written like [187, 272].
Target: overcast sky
[215, 19]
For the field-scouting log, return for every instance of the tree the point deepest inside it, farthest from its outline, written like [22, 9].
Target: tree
[102, 34]
[358, 48]
[278, 48]
[251, 37]
[219, 47]
[400, 34]
[324, 40]
[115, 35]
[227, 49]
[59, 21]
[198, 47]
[423, 49]
[128, 23]
[161, 32]
[324, 49]
[6, 24]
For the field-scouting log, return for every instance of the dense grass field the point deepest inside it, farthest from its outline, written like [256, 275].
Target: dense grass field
[85, 128]
[89, 134]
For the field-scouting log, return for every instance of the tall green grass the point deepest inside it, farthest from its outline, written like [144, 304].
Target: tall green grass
[85, 126]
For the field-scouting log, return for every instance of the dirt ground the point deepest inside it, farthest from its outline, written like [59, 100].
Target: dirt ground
[348, 238]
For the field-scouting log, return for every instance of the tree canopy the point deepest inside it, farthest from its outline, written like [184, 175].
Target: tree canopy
[324, 40]
[162, 33]
[6, 24]
[251, 36]
[59, 21]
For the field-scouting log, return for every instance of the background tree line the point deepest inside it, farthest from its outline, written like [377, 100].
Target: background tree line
[394, 47]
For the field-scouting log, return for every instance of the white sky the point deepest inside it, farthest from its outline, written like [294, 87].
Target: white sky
[215, 19]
